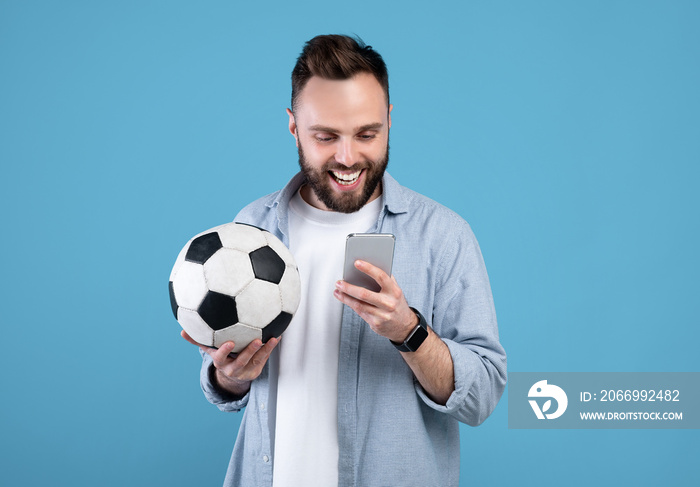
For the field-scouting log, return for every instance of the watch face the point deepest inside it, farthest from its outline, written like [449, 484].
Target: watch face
[417, 338]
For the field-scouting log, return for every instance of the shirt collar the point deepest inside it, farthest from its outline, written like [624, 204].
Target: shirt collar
[393, 195]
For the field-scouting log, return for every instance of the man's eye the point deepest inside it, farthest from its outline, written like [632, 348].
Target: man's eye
[367, 136]
[324, 138]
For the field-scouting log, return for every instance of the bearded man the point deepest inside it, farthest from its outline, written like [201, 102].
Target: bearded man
[365, 388]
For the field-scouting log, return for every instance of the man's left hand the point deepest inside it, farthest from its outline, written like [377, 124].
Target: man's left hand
[386, 311]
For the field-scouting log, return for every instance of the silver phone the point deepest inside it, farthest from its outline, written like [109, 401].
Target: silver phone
[375, 248]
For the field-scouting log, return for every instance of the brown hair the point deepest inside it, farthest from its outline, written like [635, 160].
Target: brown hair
[337, 57]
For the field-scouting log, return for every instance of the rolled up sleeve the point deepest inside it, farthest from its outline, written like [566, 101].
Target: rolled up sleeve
[224, 401]
[465, 318]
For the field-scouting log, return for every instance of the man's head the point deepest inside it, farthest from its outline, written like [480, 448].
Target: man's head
[340, 120]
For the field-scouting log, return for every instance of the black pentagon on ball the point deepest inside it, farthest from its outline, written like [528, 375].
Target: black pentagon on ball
[218, 310]
[267, 265]
[173, 302]
[276, 326]
[203, 247]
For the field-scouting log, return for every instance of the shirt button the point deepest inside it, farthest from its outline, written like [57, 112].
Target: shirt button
[262, 407]
[266, 458]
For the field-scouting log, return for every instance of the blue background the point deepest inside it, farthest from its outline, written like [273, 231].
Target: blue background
[567, 134]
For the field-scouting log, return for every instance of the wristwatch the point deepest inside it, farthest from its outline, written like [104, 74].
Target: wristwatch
[416, 337]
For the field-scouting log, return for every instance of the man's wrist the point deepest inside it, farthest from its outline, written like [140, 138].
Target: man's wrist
[417, 335]
[229, 387]
[413, 322]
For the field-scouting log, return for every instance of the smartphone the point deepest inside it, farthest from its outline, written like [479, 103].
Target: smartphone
[375, 248]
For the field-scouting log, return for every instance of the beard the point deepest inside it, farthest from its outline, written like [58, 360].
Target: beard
[349, 201]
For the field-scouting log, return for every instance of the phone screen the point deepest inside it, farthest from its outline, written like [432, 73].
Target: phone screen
[375, 248]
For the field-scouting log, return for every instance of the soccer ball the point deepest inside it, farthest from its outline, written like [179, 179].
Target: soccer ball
[234, 282]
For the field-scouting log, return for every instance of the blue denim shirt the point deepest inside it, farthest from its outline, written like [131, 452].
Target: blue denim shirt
[390, 432]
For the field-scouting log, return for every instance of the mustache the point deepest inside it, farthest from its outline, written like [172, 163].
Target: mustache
[335, 166]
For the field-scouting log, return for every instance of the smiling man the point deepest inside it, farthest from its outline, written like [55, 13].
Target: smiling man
[365, 388]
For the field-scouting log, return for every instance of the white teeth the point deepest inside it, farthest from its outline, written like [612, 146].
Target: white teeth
[346, 178]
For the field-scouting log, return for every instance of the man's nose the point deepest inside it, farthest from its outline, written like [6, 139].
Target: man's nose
[346, 153]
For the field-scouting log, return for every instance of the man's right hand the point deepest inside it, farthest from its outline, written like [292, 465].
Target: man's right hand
[234, 373]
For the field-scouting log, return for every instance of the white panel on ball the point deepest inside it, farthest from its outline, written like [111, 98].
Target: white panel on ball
[290, 290]
[241, 237]
[178, 262]
[228, 271]
[189, 285]
[259, 303]
[195, 327]
[239, 333]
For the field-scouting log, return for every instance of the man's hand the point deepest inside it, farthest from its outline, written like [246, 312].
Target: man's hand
[386, 311]
[234, 373]
[389, 315]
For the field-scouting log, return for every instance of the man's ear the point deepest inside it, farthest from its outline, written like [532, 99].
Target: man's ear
[293, 126]
[391, 107]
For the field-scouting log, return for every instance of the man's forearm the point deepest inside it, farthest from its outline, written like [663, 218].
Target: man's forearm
[433, 367]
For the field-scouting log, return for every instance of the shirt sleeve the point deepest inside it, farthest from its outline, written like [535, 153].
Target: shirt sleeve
[465, 318]
[221, 399]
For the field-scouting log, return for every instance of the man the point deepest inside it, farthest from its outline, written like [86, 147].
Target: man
[364, 388]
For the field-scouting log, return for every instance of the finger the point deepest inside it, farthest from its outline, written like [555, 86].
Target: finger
[245, 355]
[222, 355]
[259, 359]
[382, 278]
[184, 335]
[270, 346]
[379, 300]
[365, 310]
[252, 367]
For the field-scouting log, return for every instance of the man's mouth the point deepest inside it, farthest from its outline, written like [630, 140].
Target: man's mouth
[346, 179]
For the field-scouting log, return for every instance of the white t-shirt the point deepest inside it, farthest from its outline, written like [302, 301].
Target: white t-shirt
[306, 410]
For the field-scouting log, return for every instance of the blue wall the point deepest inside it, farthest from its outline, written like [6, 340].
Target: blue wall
[567, 134]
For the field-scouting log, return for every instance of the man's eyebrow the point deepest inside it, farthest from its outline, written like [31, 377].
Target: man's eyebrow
[362, 128]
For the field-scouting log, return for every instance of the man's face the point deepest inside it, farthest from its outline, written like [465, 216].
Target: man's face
[342, 134]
